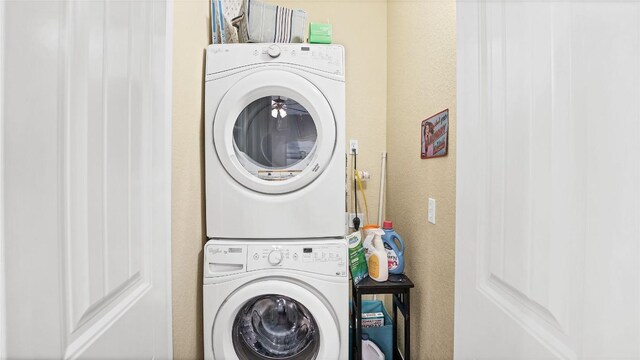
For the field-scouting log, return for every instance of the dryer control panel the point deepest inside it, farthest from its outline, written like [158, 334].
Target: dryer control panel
[224, 258]
[324, 58]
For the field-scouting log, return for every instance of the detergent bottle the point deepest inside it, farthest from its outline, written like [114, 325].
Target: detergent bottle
[367, 244]
[395, 255]
[370, 351]
[378, 263]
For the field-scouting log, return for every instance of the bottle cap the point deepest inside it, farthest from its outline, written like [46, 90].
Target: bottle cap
[387, 224]
[365, 336]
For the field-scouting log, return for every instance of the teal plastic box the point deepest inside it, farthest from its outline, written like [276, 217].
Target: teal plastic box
[381, 336]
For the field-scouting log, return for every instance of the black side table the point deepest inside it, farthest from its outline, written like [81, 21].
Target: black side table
[399, 286]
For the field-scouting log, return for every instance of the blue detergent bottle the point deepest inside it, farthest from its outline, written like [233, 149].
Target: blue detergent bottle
[395, 256]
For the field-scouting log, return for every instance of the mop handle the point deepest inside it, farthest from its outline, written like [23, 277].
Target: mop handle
[381, 195]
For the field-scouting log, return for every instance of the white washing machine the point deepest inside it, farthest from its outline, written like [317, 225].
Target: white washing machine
[274, 141]
[276, 300]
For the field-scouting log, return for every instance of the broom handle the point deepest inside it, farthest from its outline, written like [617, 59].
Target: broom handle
[381, 195]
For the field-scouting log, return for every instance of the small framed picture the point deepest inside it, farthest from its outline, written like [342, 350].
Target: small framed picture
[435, 135]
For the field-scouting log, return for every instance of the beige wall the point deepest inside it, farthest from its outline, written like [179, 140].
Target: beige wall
[358, 25]
[191, 22]
[421, 82]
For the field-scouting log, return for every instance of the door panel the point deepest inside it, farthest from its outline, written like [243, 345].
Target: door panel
[546, 250]
[87, 167]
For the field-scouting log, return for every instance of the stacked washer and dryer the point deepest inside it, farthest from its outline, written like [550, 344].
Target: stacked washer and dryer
[275, 268]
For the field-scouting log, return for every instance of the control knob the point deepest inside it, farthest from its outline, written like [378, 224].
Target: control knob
[275, 257]
[273, 51]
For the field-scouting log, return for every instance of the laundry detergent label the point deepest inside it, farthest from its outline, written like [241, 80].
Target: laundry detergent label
[374, 267]
[392, 257]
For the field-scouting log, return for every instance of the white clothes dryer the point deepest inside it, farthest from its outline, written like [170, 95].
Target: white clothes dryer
[274, 141]
[269, 300]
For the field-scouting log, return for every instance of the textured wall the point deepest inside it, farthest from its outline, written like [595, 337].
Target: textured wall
[191, 36]
[358, 25]
[421, 82]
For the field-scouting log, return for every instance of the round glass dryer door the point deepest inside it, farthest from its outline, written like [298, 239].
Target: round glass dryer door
[274, 132]
[274, 138]
[275, 327]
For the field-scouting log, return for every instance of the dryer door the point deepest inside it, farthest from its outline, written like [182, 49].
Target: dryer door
[259, 322]
[274, 132]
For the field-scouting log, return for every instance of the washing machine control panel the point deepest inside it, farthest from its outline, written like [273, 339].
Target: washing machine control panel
[319, 259]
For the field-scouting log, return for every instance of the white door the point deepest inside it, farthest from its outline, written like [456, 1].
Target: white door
[85, 179]
[548, 180]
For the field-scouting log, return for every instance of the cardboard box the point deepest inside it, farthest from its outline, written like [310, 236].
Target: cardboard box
[375, 319]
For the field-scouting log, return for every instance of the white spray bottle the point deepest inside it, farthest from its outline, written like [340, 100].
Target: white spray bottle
[378, 263]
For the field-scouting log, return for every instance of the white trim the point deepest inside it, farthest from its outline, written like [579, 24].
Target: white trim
[168, 168]
[3, 324]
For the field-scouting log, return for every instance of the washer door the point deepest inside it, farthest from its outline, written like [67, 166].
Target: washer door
[274, 132]
[259, 322]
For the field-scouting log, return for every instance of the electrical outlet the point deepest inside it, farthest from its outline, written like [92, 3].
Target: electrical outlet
[364, 175]
[353, 146]
[431, 214]
[351, 216]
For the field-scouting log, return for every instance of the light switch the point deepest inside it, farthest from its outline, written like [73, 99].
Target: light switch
[432, 211]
